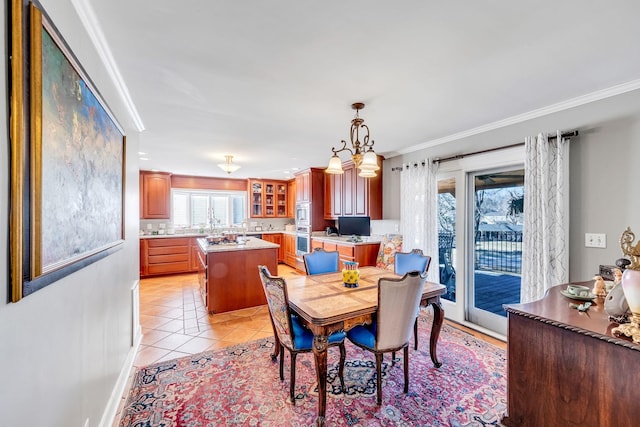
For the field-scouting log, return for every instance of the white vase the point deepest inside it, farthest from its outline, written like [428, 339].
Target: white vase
[631, 288]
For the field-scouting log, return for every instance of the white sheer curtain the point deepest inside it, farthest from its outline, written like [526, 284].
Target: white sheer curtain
[419, 211]
[545, 246]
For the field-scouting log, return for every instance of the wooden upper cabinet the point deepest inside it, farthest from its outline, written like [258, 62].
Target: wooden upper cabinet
[155, 195]
[256, 201]
[303, 187]
[351, 195]
[291, 198]
[268, 199]
[281, 199]
[348, 189]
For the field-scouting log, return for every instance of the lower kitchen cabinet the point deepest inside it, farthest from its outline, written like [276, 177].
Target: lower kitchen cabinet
[364, 254]
[289, 244]
[168, 255]
[277, 239]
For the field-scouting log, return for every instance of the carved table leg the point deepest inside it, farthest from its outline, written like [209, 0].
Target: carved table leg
[438, 319]
[320, 355]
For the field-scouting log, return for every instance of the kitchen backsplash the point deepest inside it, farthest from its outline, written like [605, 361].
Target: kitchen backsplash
[378, 227]
[266, 224]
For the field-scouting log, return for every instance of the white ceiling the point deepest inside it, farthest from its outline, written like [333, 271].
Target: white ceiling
[272, 82]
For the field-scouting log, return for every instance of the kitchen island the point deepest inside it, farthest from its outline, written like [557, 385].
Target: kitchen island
[228, 273]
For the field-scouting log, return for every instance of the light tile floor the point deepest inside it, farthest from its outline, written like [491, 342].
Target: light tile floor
[175, 322]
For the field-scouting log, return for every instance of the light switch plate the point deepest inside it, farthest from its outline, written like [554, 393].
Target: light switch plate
[595, 240]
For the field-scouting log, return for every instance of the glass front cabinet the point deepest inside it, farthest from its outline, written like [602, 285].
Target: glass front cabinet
[268, 199]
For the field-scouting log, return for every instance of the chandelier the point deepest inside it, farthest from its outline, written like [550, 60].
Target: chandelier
[362, 152]
[228, 166]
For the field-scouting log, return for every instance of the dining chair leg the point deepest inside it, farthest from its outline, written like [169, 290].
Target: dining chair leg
[343, 356]
[393, 358]
[415, 334]
[406, 369]
[379, 378]
[281, 362]
[292, 386]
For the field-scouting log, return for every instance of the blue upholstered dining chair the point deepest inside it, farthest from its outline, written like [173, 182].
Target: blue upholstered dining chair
[398, 300]
[412, 261]
[321, 261]
[289, 330]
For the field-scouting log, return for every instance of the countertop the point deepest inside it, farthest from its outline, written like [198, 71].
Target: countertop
[251, 243]
[346, 240]
[249, 233]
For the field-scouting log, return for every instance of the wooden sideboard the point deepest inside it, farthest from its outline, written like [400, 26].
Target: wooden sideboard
[565, 368]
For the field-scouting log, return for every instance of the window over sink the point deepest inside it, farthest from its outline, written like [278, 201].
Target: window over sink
[201, 208]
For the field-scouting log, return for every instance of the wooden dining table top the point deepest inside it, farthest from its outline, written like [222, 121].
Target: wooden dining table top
[323, 299]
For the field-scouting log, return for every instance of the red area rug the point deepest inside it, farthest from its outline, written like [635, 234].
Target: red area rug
[240, 386]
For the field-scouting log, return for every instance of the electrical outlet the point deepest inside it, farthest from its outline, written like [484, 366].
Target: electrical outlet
[595, 240]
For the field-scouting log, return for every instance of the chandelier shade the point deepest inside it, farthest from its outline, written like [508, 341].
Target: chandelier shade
[367, 173]
[228, 166]
[362, 154]
[335, 165]
[369, 161]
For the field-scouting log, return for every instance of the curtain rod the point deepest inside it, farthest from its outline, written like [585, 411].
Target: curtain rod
[488, 150]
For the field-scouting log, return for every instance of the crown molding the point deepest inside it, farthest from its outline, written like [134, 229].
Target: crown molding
[93, 29]
[554, 108]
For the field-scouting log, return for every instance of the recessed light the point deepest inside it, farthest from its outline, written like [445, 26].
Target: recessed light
[143, 158]
[141, 153]
[295, 169]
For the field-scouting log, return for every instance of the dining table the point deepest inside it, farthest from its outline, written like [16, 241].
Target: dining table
[325, 305]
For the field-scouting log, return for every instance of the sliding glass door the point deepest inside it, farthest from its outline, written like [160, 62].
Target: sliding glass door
[495, 245]
[447, 235]
[480, 206]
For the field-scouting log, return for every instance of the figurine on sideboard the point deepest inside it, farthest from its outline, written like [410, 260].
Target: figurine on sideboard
[617, 276]
[599, 287]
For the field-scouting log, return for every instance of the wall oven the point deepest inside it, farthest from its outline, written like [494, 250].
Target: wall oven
[303, 240]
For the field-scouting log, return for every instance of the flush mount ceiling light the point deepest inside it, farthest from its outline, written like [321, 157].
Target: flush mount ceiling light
[362, 152]
[228, 166]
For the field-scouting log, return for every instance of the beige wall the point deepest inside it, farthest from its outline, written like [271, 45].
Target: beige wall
[605, 163]
[63, 347]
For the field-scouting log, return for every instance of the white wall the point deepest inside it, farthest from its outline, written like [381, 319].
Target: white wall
[63, 347]
[605, 165]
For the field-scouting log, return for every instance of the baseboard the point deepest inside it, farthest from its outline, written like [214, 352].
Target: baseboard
[111, 409]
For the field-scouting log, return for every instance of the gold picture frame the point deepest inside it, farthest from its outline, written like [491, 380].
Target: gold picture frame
[67, 162]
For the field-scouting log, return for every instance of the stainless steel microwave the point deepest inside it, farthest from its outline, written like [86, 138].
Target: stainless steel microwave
[303, 214]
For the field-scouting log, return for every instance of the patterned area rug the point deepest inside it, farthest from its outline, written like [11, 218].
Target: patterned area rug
[240, 386]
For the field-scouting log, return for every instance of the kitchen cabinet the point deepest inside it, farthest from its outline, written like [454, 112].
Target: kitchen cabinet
[291, 198]
[268, 199]
[165, 256]
[310, 187]
[168, 255]
[365, 254]
[256, 196]
[333, 196]
[351, 195]
[230, 275]
[277, 239]
[143, 257]
[302, 187]
[194, 254]
[155, 195]
[289, 244]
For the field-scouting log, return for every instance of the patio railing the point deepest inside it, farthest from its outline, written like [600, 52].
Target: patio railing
[499, 251]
